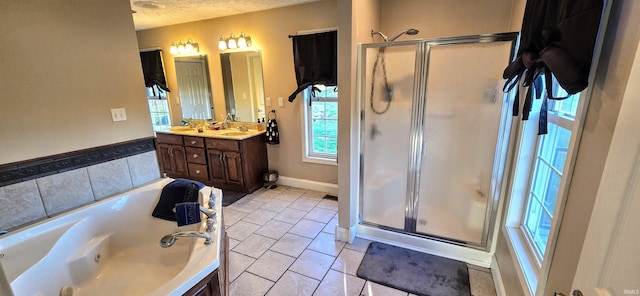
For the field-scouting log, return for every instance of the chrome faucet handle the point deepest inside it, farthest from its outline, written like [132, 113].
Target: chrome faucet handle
[210, 214]
[211, 225]
[212, 200]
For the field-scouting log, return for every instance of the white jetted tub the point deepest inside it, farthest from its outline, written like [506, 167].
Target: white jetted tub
[110, 247]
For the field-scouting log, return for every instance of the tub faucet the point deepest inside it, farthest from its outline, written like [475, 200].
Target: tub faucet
[3, 232]
[170, 239]
[211, 218]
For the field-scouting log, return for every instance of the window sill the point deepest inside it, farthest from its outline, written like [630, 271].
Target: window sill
[319, 160]
[528, 269]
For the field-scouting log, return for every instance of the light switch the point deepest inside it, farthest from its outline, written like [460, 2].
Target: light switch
[268, 101]
[118, 114]
[280, 102]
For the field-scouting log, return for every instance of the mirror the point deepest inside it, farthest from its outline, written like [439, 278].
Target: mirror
[194, 87]
[243, 85]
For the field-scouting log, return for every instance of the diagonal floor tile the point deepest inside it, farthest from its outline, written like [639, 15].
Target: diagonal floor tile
[327, 244]
[312, 264]
[249, 285]
[291, 216]
[291, 244]
[292, 283]
[242, 230]
[274, 229]
[320, 215]
[339, 284]
[260, 216]
[237, 264]
[348, 261]
[307, 228]
[374, 289]
[271, 265]
[254, 245]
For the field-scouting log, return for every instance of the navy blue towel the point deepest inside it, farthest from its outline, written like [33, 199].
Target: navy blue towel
[178, 191]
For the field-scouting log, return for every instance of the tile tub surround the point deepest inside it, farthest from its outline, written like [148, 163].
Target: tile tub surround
[33, 200]
[281, 245]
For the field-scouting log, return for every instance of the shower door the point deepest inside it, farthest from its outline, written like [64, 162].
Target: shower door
[386, 133]
[432, 162]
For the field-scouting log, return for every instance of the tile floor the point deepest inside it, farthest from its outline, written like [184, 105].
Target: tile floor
[282, 243]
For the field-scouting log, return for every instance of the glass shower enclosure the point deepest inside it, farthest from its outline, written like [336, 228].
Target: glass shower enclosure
[434, 121]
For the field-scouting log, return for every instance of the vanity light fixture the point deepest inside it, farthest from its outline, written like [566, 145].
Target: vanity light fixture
[184, 48]
[222, 44]
[243, 41]
[231, 43]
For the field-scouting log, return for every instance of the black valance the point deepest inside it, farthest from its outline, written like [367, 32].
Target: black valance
[315, 60]
[557, 39]
[153, 70]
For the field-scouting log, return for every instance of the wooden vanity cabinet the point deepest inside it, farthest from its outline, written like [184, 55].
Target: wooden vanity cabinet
[196, 158]
[171, 156]
[224, 163]
[237, 164]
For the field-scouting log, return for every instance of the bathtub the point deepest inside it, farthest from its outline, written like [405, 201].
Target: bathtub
[110, 247]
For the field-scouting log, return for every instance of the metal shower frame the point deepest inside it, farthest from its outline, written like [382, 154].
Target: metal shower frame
[417, 141]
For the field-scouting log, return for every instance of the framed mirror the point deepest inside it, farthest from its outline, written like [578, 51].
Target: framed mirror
[194, 87]
[243, 85]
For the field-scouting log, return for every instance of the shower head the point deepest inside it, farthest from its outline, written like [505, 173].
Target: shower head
[379, 33]
[408, 32]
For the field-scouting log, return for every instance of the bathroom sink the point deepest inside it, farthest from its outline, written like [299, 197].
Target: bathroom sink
[234, 134]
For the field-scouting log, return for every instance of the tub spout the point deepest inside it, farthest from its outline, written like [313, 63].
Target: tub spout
[170, 239]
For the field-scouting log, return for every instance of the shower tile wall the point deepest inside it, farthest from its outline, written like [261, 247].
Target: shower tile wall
[33, 200]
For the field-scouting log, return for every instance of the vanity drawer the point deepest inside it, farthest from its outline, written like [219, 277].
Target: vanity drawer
[224, 145]
[169, 139]
[198, 171]
[194, 141]
[195, 155]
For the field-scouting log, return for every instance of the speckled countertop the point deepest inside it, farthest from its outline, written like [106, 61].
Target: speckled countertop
[230, 134]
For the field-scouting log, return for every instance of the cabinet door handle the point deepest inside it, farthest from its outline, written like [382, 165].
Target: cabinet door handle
[171, 151]
[221, 160]
[198, 172]
[195, 155]
[193, 142]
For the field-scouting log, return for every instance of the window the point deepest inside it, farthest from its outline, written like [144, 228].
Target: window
[159, 108]
[548, 170]
[538, 183]
[321, 124]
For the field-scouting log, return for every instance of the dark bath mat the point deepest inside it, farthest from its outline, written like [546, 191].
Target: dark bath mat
[414, 272]
[230, 196]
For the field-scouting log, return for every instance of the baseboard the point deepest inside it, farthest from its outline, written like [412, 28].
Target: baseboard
[497, 277]
[346, 234]
[308, 184]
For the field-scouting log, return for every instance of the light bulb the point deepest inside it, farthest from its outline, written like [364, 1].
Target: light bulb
[242, 43]
[232, 42]
[189, 46]
[181, 47]
[222, 45]
[173, 49]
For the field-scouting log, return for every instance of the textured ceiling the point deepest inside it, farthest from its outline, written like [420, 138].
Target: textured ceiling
[183, 11]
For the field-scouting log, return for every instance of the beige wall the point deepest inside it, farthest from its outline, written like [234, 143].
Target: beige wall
[612, 75]
[64, 65]
[356, 20]
[269, 32]
[440, 18]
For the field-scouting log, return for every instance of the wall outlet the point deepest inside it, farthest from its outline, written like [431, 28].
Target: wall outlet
[118, 114]
[268, 101]
[280, 102]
